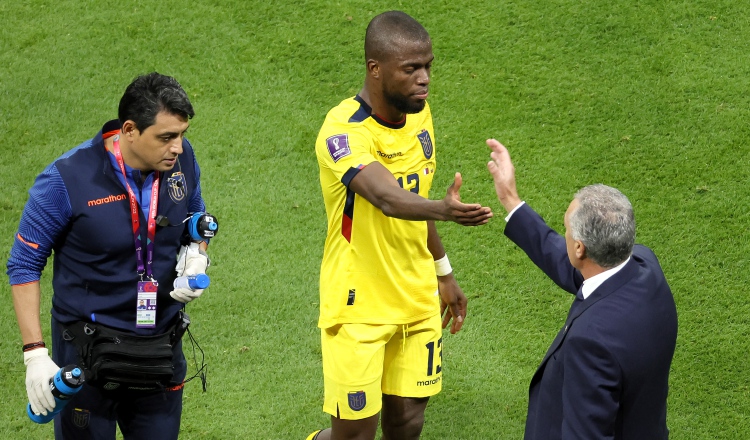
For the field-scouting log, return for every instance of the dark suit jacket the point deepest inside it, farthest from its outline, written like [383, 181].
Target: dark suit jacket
[606, 374]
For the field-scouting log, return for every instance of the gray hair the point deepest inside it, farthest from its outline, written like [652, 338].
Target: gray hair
[605, 223]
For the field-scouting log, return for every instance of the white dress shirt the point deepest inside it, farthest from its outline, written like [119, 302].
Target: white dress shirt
[592, 283]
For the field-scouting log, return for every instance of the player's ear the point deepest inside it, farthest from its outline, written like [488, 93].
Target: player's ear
[373, 68]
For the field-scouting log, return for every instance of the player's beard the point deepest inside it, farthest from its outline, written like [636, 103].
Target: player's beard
[403, 103]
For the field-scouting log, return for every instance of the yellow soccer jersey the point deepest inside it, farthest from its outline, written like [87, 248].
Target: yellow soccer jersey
[375, 269]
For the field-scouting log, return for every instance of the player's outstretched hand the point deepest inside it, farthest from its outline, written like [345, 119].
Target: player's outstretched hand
[452, 303]
[472, 214]
[504, 174]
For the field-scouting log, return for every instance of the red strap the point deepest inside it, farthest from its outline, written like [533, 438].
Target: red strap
[135, 217]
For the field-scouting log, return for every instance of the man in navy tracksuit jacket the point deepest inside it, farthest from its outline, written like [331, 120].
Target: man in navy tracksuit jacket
[81, 207]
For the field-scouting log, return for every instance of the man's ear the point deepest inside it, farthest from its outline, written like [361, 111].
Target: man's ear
[580, 249]
[373, 68]
[129, 128]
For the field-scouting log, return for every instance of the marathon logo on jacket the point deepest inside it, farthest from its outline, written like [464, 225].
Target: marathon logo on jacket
[177, 184]
[426, 141]
[109, 199]
[338, 146]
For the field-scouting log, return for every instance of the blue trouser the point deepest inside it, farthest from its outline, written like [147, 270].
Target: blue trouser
[94, 413]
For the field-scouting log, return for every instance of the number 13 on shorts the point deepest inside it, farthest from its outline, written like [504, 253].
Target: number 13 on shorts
[434, 357]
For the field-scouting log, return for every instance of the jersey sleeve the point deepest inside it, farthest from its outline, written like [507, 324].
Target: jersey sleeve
[44, 218]
[345, 154]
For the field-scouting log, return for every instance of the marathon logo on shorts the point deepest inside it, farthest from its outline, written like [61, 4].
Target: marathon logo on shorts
[81, 418]
[426, 141]
[357, 400]
[338, 146]
[177, 186]
[428, 382]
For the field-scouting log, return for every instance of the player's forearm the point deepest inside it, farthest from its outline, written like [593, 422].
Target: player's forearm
[434, 244]
[26, 302]
[406, 205]
[378, 186]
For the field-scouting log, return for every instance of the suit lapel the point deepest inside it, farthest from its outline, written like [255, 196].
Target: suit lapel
[575, 310]
[579, 306]
[614, 282]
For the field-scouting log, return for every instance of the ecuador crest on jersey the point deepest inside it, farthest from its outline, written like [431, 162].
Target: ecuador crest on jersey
[426, 141]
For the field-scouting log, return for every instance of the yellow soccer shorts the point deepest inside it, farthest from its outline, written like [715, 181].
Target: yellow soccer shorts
[361, 362]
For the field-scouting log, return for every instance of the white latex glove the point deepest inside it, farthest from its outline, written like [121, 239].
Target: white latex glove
[39, 370]
[190, 261]
[185, 295]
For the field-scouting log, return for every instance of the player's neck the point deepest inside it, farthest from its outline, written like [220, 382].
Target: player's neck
[380, 106]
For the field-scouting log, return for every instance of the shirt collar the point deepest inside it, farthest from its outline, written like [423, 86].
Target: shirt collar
[592, 283]
[368, 110]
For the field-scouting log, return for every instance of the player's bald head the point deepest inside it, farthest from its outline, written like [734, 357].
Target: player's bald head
[387, 32]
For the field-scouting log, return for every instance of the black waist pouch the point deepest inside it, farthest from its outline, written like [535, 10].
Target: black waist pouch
[114, 360]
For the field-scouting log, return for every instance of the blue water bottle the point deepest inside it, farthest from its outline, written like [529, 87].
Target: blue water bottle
[202, 226]
[64, 384]
[192, 282]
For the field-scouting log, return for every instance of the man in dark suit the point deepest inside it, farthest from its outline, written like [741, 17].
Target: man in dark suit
[606, 374]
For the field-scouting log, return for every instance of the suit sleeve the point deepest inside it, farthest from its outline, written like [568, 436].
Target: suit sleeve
[591, 390]
[545, 247]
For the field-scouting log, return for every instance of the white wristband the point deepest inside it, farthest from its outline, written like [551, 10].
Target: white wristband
[443, 266]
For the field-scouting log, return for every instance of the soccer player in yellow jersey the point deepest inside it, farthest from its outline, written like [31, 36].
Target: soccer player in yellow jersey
[383, 263]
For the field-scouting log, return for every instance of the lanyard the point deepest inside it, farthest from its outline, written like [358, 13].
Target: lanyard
[135, 216]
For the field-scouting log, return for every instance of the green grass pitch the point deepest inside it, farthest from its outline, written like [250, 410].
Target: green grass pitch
[648, 96]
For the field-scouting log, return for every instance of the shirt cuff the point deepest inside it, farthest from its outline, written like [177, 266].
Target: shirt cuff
[507, 218]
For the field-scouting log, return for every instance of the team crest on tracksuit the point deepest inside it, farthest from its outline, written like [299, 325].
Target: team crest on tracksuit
[426, 141]
[177, 186]
[81, 418]
[357, 400]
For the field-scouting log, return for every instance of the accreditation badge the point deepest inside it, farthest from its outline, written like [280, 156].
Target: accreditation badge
[145, 312]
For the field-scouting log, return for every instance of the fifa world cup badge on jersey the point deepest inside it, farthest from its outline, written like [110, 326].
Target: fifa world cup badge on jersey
[338, 146]
[145, 310]
[426, 141]
[177, 186]
[357, 400]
